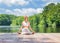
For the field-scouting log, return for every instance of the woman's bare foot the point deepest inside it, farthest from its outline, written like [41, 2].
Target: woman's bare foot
[33, 32]
[19, 33]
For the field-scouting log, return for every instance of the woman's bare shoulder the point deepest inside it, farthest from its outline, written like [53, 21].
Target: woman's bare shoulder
[28, 22]
[23, 21]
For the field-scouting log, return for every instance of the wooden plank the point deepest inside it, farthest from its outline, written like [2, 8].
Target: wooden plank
[36, 38]
[45, 39]
[53, 38]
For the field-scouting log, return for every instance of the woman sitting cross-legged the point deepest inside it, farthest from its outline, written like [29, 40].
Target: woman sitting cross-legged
[25, 28]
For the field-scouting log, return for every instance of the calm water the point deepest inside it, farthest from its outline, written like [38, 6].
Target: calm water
[41, 30]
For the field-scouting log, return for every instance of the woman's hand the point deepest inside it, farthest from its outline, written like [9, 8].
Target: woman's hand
[33, 32]
[19, 32]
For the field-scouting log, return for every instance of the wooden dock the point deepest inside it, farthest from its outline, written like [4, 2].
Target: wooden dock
[36, 38]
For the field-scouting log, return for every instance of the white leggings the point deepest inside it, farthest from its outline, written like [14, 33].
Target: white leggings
[26, 31]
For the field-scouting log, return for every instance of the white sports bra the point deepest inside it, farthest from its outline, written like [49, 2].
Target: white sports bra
[25, 23]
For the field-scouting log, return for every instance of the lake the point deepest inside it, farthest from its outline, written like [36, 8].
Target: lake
[41, 30]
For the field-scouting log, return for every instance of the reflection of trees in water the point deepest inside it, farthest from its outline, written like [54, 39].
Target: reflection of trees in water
[8, 29]
[5, 29]
[48, 29]
[41, 29]
[58, 29]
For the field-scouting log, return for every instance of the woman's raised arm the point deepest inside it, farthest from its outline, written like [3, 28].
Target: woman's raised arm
[20, 29]
[31, 28]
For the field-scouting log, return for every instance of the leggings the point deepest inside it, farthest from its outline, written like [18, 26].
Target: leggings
[26, 31]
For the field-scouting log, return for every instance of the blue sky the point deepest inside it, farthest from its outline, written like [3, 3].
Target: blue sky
[24, 7]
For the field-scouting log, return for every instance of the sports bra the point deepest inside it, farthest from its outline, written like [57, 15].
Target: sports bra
[25, 23]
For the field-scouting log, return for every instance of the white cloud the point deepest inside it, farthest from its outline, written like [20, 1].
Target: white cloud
[22, 12]
[0, 0]
[50, 1]
[29, 11]
[55, 2]
[14, 2]
[39, 10]
[9, 11]
[44, 0]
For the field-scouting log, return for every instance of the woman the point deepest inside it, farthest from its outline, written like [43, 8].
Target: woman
[25, 27]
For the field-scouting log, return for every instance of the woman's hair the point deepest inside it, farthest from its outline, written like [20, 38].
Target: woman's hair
[25, 17]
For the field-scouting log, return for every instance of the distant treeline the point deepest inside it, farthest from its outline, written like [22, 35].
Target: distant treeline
[50, 17]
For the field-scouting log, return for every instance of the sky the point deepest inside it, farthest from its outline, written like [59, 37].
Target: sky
[24, 7]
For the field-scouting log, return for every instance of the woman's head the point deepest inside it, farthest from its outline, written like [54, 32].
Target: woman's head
[25, 18]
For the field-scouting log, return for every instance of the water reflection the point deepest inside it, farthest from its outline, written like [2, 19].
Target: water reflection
[49, 30]
[9, 28]
[41, 30]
